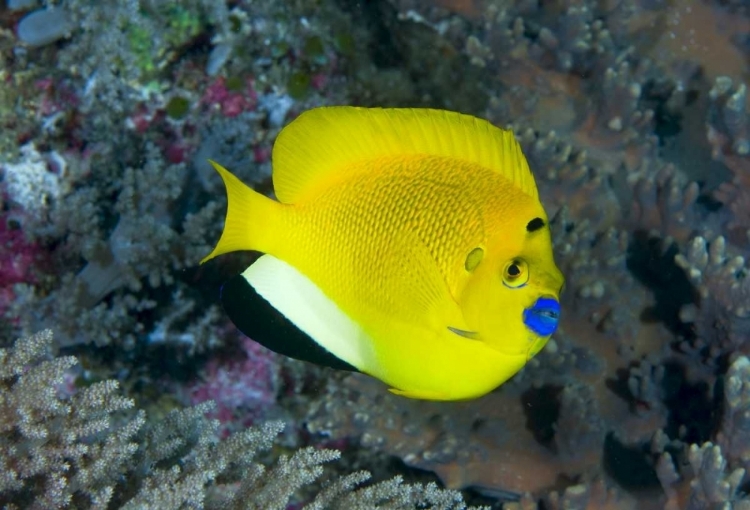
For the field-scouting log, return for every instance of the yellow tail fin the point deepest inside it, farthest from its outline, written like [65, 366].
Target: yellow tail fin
[249, 217]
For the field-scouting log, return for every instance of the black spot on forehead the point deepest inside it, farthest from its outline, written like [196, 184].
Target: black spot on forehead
[535, 225]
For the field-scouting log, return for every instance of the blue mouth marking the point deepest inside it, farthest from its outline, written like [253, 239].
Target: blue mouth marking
[542, 318]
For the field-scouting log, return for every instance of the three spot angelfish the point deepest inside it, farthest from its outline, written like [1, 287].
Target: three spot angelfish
[407, 244]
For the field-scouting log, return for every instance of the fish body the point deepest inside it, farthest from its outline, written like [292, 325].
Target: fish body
[391, 249]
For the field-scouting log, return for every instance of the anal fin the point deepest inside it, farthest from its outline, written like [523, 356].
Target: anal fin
[278, 307]
[419, 395]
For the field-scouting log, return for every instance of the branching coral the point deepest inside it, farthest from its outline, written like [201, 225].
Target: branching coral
[49, 446]
[143, 247]
[596, 495]
[735, 195]
[728, 132]
[67, 448]
[520, 438]
[729, 116]
[664, 202]
[135, 209]
[697, 477]
[139, 37]
[704, 482]
[637, 335]
[734, 434]
[722, 317]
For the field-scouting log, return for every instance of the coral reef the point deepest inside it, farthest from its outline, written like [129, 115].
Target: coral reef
[634, 116]
[638, 333]
[63, 447]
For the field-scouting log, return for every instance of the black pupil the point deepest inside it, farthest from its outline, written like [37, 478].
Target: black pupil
[513, 270]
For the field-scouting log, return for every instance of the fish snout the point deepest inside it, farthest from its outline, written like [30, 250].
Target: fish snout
[542, 317]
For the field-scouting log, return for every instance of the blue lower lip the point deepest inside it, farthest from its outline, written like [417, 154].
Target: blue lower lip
[542, 318]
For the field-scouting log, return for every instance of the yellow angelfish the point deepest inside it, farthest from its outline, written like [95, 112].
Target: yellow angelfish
[408, 244]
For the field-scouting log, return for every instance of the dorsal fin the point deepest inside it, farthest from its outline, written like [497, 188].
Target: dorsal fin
[320, 143]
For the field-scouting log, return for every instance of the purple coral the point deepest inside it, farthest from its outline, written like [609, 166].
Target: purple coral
[19, 263]
[230, 102]
[243, 389]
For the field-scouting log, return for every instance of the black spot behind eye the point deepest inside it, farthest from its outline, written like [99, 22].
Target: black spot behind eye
[535, 225]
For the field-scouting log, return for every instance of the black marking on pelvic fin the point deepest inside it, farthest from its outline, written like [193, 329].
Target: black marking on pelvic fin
[263, 323]
[535, 225]
[473, 335]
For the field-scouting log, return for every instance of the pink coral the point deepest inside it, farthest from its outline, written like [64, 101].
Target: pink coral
[261, 153]
[56, 97]
[17, 262]
[243, 389]
[140, 120]
[230, 102]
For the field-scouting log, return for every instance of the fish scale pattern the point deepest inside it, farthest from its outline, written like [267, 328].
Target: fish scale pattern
[441, 203]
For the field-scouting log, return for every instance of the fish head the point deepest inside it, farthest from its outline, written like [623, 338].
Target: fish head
[511, 299]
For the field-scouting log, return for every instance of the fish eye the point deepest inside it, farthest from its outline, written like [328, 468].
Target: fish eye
[516, 274]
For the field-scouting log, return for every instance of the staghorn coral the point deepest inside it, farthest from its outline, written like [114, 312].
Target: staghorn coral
[645, 384]
[735, 195]
[47, 447]
[570, 178]
[728, 132]
[83, 450]
[702, 482]
[619, 101]
[589, 258]
[728, 117]
[520, 438]
[595, 495]
[733, 436]
[624, 212]
[697, 477]
[579, 426]
[721, 318]
[664, 202]
[714, 485]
